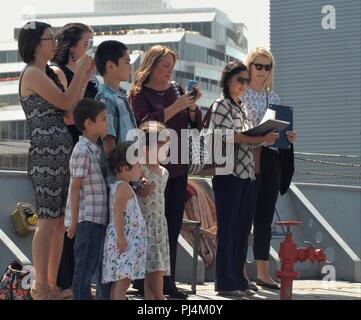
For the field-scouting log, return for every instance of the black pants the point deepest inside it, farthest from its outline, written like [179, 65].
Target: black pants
[175, 197]
[67, 263]
[66, 267]
[267, 188]
[235, 201]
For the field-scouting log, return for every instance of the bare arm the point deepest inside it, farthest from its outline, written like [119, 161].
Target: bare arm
[123, 194]
[268, 138]
[108, 144]
[75, 187]
[35, 80]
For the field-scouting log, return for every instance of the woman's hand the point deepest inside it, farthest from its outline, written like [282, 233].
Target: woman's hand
[146, 189]
[89, 73]
[122, 244]
[197, 89]
[270, 138]
[291, 136]
[184, 101]
[83, 65]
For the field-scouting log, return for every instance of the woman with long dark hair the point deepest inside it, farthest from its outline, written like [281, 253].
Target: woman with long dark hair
[44, 102]
[72, 42]
[234, 193]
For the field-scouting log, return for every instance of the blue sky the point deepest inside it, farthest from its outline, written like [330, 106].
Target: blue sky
[254, 13]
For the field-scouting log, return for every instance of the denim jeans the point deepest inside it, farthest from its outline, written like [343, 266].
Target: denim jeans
[89, 238]
[103, 289]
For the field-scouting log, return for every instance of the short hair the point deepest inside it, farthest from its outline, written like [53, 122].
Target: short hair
[87, 109]
[118, 157]
[109, 50]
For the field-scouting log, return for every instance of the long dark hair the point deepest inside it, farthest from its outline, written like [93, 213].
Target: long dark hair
[67, 37]
[29, 38]
[231, 69]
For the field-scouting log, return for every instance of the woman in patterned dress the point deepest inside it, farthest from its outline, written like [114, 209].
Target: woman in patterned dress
[125, 244]
[44, 102]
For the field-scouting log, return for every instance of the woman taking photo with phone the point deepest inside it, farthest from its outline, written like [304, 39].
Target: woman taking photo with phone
[276, 167]
[154, 97]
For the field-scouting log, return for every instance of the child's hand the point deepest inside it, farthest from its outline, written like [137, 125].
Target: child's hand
[146, 189]
[122, 244]
[71, 231]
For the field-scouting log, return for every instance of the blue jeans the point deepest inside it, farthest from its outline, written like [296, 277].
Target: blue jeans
[103, 289]
[89, 238]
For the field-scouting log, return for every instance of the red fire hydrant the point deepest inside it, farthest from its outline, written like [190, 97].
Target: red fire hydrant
[289, 254]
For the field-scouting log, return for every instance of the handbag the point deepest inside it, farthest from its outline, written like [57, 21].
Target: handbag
[200, 159]
[24, 219]
[13, 285]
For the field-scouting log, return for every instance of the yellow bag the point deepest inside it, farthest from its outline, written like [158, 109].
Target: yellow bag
[24, 219]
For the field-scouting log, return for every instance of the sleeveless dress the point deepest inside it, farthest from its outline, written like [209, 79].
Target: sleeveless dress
[49, 154]
[153, 210]
[131, 263]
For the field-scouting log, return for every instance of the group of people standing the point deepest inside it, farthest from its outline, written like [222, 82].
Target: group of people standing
[115, 227]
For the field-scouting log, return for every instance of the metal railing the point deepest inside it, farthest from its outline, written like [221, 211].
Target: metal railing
[309, 167]
[327, 168]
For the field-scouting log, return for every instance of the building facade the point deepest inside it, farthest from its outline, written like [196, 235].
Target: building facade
[317, 47]
[203, 39]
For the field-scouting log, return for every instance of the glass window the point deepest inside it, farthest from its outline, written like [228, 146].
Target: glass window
[12, 131]
[4, 130]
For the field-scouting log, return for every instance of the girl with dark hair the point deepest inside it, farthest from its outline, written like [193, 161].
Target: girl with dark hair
[44, 102]
[72, 42]
[234, 193]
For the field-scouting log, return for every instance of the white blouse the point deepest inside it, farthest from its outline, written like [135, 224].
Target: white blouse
[256, 104]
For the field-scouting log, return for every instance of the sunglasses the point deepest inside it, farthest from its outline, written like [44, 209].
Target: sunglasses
[260, 66]
[243, 80]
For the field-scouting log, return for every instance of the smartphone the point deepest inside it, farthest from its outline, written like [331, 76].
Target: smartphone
[89, 48]
[191, 83]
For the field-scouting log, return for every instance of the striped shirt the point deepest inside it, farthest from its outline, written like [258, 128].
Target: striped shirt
[226, 115]
[84, 163]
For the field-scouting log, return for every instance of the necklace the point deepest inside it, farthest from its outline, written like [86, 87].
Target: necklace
[160, 94]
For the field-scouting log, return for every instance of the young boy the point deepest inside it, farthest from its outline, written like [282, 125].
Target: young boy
[87, 210]
[113, 64]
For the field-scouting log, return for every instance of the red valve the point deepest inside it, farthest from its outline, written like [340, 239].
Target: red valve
[289, 254]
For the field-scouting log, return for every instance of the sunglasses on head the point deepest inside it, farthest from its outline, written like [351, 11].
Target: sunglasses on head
[243, 80]
[260, 66]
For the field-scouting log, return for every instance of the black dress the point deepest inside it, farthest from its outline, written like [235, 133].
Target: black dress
[90, 92]
[49, 154]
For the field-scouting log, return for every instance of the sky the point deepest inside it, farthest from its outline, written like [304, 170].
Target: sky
[253, 13]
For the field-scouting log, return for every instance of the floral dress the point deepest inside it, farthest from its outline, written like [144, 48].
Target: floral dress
[131, 263]
[153, 210]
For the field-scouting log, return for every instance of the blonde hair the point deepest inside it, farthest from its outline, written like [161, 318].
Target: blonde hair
[151, 59]
[251, 57]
